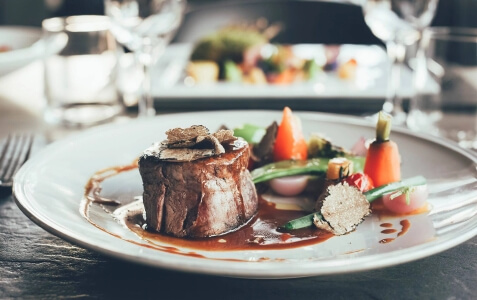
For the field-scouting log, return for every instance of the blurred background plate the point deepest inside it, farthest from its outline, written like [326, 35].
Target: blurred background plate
[365, 90]
[368, 82]
[23, 45]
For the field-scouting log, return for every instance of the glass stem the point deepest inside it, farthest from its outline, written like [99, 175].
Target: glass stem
[146, 103]
[420, 75]
[393, 104]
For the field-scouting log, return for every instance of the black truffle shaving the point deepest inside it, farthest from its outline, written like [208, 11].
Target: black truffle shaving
[342, 209]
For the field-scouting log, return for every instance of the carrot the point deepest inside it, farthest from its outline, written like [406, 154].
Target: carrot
[289, 143]
[287, 76]
[383, 162]
[348, 69]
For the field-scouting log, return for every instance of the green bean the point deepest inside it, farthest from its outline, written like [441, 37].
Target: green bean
[371, 195]
[305, 221]
[314, 166]
[378, 192]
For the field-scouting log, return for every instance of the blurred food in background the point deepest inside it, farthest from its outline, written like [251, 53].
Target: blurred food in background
[5, 48]
[245, 54]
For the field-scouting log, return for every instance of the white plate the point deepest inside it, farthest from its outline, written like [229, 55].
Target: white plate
[50, 186]
[369, 84]
[26, 46]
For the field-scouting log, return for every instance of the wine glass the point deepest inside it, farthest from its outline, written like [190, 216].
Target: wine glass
[399, 24]
[145, 27]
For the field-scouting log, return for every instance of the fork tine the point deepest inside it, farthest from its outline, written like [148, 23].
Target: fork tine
[4, 161]
[15, 153]
[23, 154]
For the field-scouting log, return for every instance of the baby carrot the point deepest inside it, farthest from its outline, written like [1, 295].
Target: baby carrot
[289, 143]
[383, 162]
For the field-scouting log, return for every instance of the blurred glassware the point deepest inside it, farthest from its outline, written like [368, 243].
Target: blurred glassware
[398, 23]
[80, 80]
[451, 70]
[145, 27]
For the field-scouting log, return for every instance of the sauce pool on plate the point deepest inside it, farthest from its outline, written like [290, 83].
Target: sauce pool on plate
[261, 232]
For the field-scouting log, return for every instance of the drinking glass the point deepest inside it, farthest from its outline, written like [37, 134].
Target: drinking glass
[145, 27]
[446, 103]
[79, 80]
[399, 24]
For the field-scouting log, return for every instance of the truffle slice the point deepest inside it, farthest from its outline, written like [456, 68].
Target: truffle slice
[192, 143]
[342, 209]
[181, 136]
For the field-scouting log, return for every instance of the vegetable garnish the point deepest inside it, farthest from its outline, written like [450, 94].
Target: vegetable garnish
[320, 146]
[405, 191]
[378, 192]
[371, 195]
[383, 162]
[317, 166]
[290, 143]
[289, 185]
[303, 222]
[339, 167]
[253, 134]
[406, 200]
[361, 181]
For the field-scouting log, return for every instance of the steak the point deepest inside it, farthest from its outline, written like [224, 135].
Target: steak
[202, 197]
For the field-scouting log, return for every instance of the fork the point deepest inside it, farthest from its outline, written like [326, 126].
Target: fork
[14, 152]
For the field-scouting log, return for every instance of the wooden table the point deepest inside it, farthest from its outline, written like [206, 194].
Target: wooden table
[35, 264]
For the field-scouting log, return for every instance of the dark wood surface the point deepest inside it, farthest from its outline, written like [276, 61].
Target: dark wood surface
[37, 265]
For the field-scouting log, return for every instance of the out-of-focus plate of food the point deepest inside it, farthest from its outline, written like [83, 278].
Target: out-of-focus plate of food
[357, 71]
[247, 56]
[20, 46]
[200, 213]
[243, 62]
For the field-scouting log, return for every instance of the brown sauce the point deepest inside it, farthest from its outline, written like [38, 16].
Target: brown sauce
[405, 227]
[262, 232]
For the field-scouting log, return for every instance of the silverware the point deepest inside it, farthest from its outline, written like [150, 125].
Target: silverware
[15, 150]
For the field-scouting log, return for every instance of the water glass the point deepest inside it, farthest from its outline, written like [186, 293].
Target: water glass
[80, 80]
[446, 83]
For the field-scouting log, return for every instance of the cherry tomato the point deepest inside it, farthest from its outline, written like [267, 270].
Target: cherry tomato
[360, 180]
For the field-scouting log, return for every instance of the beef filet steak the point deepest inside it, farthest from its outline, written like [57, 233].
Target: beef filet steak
[204, 197]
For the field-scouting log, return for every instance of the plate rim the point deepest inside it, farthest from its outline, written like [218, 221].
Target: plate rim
[234, 269]
[18, 54]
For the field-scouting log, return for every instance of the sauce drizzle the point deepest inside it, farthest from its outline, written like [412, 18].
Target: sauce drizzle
[261, 232]
[405, 225]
